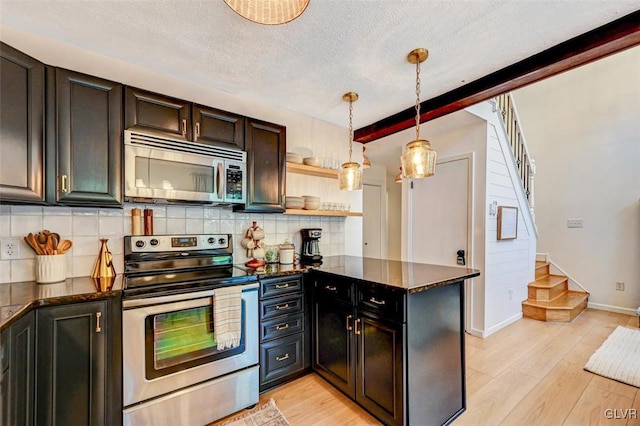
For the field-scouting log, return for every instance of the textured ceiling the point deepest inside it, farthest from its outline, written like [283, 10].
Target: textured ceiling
[336, 46]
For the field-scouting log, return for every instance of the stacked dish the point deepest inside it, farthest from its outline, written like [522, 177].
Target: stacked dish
[312, 161]
[292, 202]
[311, 202]
[292, 157]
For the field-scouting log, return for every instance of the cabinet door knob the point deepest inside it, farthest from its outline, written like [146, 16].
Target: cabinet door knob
[63, 183]
[282, 358]
[349, 327]
[357, 322]
[98, 315]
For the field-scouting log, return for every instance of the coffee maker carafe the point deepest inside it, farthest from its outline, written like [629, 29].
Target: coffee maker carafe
[310, 246]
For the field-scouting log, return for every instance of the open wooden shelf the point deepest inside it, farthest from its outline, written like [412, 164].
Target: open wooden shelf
[301, 212]
[303, 169]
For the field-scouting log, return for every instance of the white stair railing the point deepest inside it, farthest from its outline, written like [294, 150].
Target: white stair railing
[526, 165]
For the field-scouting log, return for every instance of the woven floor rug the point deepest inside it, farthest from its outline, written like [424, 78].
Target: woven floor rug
[264, 415]
[619, 357]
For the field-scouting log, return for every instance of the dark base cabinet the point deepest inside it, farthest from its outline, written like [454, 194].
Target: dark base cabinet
[74, 377]
[399, 355]
[284, 331]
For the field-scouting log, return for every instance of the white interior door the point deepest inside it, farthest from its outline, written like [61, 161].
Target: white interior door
[372, 228]
[440, 214]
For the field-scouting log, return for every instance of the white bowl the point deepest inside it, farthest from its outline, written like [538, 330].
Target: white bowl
[312, 205]
[293, 157]
[312, 161]
[311, 198]
[292, 202]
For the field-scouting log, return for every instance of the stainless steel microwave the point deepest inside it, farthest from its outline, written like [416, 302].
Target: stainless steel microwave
[163, 169]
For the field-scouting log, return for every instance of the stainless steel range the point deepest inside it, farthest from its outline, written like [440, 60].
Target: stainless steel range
[189, 331]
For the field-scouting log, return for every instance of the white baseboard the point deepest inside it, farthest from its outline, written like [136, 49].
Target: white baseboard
[475, 332]
[497, 327]
[616, 309]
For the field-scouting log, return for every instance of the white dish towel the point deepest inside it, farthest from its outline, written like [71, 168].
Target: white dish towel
[227, 316]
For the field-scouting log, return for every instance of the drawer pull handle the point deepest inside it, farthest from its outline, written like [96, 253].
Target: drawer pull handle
[63, 184]
[357, 322]
[282, 307]
[281, 327]
[98, 315]
[184, 127]
[330, 288]
[282, 358]
[377, 302]
[349, 326]
[281, 286]
[197, 129]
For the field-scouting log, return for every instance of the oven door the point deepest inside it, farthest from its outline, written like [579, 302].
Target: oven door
[169, 342]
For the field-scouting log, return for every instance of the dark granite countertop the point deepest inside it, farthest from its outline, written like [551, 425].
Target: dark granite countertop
[27, 295]
[413, 277]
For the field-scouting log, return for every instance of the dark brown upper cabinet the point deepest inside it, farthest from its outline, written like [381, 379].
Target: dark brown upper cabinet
[85, 119]
[21, 127]
[175, 118]
[265, 144]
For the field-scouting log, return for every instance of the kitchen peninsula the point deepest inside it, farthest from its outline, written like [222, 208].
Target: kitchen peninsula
[388, 334]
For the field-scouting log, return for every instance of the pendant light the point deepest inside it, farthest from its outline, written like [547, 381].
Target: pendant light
[398, 178]
[418, 160]
[268, 12]
[366, 163]
[350, 177]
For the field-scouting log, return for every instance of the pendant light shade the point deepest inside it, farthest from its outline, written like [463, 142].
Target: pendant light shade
[350, 176]
[398, 178]
[268, 12]
[366, 163]
[418, 159]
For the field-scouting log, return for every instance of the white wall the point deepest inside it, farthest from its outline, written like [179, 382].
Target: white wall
[583, 130]
[394, 218]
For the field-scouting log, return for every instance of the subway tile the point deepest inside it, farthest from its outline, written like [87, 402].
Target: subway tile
[85, 211]
[258, 217]
[111, 212]
[26, 252]
[86, 246]
[228, 227]
[226, 213]
[211, 227]
[159, 211]
[176, 226]
[57, 211]
[175, 212]
[85, 225]
[22, 225]
[22, 270]
[194, 226]
[26, 210]
[5, 210]
[282, 227]
[5, 271]
[159, 226]
[5, 292]
[82, 265]
[5, 226]
[60, 224]
[194, 213]
[211, 213]
[118, 263]
[109, 225]
[269, 226]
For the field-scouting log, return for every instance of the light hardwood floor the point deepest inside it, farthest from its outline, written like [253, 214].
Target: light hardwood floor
[530, 373]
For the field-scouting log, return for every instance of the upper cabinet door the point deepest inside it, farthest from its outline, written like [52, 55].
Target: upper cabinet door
[157, 114]
[21, 127]
[214, 126]
[265, 144]
[89, 140]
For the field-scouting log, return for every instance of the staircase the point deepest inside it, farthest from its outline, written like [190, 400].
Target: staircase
[549, 297]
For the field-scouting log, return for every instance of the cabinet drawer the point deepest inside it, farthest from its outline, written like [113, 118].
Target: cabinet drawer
[335, 289]
[280, 286]
[281, 326]
[382, 301]
[281, 357]
[281, 306]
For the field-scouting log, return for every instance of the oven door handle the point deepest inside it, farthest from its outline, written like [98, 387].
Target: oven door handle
[158, 300]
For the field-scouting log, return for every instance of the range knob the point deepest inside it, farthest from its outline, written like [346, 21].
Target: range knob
[211, 240]
[153, 242]
[139, 243]
[222, 241]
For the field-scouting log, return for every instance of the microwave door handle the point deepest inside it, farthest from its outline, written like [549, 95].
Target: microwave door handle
[220, 181]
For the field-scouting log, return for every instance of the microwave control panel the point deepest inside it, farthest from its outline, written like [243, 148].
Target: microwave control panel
[235, 183]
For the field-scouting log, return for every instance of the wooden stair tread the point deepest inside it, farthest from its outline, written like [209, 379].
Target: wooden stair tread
[541, 264]
[568, 300]
[548, 281]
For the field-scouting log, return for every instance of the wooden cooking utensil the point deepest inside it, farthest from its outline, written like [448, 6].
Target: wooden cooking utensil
[64, 246]
[41, 238]
[31, 242]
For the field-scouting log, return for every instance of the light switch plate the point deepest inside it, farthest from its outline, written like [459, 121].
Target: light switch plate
[575, 223]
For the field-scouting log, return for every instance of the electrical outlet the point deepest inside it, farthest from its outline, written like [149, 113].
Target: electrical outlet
[9, 249]
[510, 293]
[620, 285]
[575, 223]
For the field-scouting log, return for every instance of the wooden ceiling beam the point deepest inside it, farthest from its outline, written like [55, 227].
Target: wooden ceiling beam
[603, 41]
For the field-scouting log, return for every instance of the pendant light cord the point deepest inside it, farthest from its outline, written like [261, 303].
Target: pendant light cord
[350, 127]
[417, 100]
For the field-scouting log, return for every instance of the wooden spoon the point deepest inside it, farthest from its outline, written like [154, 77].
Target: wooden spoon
[64, 246]
[31, 242]
[42, 239]
[54, 242]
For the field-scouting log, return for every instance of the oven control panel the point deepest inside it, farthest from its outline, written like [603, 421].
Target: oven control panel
[162, 243]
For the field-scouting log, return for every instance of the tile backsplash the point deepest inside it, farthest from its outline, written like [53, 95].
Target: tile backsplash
[85, 226]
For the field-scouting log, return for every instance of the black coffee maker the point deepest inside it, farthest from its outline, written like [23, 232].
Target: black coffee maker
[310, 246]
